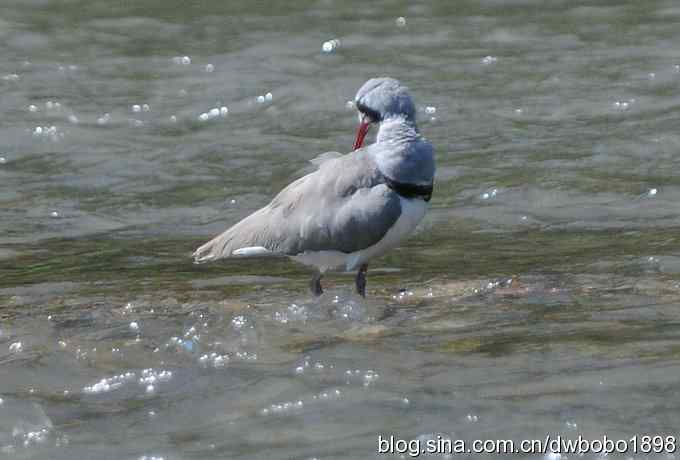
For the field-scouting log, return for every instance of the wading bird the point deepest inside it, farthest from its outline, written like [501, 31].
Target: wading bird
[354, 207]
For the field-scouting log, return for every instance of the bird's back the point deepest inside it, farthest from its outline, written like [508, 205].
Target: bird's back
[343, 206]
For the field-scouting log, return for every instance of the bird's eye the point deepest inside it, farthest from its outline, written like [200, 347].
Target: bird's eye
[372, 115]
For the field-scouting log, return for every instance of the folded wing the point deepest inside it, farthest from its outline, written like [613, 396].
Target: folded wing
[344, 206]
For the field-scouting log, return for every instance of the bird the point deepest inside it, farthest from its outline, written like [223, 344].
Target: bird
[354, 207]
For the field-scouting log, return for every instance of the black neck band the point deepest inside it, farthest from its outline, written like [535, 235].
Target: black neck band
[410, 190]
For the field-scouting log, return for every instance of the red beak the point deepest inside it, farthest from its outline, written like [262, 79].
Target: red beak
[364, 126]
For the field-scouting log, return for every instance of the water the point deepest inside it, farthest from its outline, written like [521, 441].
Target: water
[539, 296]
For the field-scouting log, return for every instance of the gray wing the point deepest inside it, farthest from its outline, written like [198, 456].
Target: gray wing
[316, 163]
[344, 206]
[324, 157]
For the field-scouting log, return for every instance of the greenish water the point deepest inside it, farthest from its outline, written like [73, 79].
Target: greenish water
[541, 295]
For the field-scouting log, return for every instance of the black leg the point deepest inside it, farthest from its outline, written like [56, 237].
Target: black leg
[315, 284]
[361, 280]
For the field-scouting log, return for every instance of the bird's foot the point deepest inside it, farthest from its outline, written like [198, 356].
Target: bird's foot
[361, 280]
[315, 284]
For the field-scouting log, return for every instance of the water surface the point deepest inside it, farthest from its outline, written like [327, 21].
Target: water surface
[540, 295]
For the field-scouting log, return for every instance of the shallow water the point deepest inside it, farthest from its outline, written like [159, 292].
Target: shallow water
[541, 294]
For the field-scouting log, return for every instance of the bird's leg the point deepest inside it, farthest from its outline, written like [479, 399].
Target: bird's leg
[361, 280]
[315, 284]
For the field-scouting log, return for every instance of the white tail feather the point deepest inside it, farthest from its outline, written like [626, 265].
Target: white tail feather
[251, 251]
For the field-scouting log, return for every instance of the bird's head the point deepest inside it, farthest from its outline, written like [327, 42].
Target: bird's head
[379, 99]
